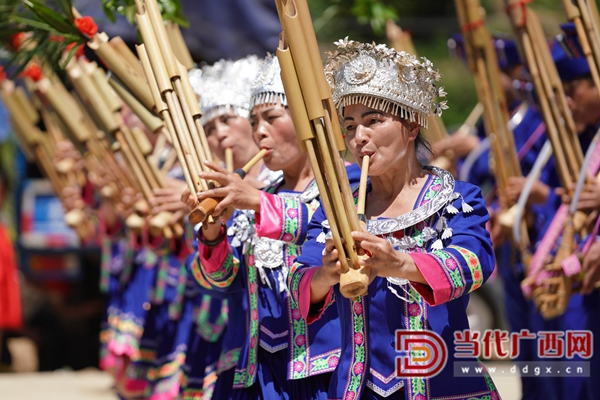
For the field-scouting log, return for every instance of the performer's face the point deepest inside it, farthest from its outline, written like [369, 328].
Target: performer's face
[384, 137]
[231, 131]
[584, 102]
[273, 129]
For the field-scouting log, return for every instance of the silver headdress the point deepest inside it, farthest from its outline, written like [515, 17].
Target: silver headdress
[225, 87]
[268, 88]
[384, 79]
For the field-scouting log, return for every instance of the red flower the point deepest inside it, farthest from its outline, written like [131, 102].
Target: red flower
[56, 38]
[333, 361]
[78, 52]
[358, 308]
[300, 340]
[2, 74]
[358, 338]
[16, 39]
[86, 25]
[358, 368]
[33, 71]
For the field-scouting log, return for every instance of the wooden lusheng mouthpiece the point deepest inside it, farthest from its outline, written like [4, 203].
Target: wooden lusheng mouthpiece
[355, 282]
[207, 206]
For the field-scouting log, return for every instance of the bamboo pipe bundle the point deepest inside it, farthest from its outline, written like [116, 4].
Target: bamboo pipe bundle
[35, 142]
[78, 129]
[586, 34]
[181, 113]
[318, 130]
[153, 123]
[484, 65]
[552, 296]
[135, 146]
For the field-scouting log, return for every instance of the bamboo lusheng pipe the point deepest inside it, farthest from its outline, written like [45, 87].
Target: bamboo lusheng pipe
[229, 159]
[179, 47]
[206, 207]
[169, 75]
[356, 282]
[172, 114]
[127, 73]
[124, 51]
[573, 13]
[200, 140]
[185, 158]
[303, 45]
[484, 65]
[552, 296]
[304, 129]
[73, 118]
[590, 21]
[108, 105]
[37, 145]
[307, 90]
[153, 123]
[150, 169]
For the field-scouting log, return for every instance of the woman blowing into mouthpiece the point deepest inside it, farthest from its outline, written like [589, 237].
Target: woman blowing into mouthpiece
[425, 236]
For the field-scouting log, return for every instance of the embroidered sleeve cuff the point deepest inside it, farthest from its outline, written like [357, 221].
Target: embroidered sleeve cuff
[301, 293]
[282, 219]
[269, 221]
[437, 290]
[212, 258]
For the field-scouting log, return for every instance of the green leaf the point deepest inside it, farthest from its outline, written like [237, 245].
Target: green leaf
[33, 23]
[67, 8]
[57, 21]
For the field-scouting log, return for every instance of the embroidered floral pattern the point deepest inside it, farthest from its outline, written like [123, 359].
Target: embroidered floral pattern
[197, 273]
[356, 379]
[228, 360]
[472, 262]
[324, 362]
[223, 276]
[454, 275]
[245, 377]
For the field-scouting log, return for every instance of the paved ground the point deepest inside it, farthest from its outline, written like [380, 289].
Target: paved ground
[96, 385]
[60, 385]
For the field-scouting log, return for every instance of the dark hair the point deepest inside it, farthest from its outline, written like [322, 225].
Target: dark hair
[422, 146]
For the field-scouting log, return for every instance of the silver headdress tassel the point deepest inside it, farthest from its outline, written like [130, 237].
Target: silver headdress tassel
[268, 88]
[392, 81]
[224, 87]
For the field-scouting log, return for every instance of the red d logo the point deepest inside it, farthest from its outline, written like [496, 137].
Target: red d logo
[422, 354]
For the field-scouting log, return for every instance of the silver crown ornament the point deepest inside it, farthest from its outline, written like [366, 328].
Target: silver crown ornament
[381, 78]
[225, 86]
[268, 87]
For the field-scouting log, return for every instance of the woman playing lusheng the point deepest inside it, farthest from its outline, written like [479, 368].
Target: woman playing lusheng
[281, 357]
[224, 90]
[425, 234]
